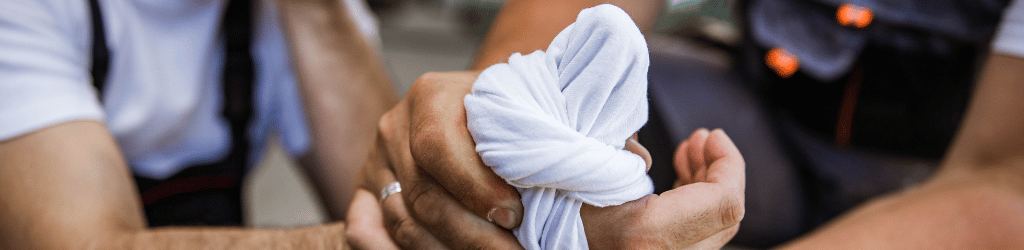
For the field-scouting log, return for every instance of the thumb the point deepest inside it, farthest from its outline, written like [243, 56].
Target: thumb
[694, 212]
[634, 146]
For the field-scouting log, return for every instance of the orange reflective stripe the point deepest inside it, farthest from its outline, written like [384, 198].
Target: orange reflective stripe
[782, 62]
[850, 15]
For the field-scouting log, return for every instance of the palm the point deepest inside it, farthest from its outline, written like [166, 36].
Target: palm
[702, 211]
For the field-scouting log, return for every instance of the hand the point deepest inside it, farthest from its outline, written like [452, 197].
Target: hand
[449, 197]
[702, 212]
[432, 118]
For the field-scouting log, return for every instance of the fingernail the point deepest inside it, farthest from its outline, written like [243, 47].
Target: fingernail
[504, 217]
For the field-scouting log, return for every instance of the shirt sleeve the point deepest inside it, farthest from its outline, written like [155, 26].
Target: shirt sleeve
[1010, 36]
[44, 77]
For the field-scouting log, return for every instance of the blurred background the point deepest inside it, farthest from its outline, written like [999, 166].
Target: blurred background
[419, 36]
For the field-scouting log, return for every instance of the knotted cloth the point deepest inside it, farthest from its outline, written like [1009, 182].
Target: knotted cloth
[554, 124]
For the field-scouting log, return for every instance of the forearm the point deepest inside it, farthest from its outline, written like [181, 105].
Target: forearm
[527, 25]
[345, 90]
[975, 200]
[320, 237]
[971, 213]
[67, 187]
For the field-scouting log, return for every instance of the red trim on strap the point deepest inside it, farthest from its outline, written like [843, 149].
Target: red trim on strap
[844, 124]
[187, 185]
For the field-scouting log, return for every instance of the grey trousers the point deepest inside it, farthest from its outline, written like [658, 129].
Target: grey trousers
[795, 180]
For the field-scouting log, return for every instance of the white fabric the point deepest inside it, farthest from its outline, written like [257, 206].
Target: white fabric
[1010, 36]
[553, 124]
[163, 95]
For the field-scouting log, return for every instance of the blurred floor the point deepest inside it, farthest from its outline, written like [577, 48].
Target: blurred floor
[417, 38]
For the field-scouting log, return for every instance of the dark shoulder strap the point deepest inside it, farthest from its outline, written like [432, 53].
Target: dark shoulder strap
[210, 194]
[100, 52]
[238, 77]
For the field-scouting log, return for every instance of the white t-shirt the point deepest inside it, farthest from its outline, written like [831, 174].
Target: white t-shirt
[162, 100]
[1010, 36]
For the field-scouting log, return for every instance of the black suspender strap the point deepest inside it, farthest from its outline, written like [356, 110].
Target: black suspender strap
[238, 78]
[100, 53]
[211, 194]
[208, 194]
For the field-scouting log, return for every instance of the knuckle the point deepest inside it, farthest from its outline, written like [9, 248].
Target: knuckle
[385, 125]
[731, 210]
[424, 201]
[407, 233]
[426, 141]
[426, 83]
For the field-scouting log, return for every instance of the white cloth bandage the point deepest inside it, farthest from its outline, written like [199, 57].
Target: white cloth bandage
[554, 124]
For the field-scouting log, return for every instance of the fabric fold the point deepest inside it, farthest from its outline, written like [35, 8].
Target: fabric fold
[554, 123]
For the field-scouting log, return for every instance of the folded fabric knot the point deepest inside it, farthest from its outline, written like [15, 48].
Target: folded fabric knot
[554, 124]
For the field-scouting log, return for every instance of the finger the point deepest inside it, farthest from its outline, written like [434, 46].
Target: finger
[694, 212]
[404, 229]
[393, 135]
[634, 146]
[681, 163]
[442, 216]
[453, 224]
[681, 217]
[443, 148]
[400, 225]
[695, 154]
[433, 208]
[366, 223]
[725, 162]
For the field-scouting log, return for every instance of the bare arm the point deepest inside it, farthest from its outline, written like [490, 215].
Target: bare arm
[345, 90]
[975, 201]
[67, 187]
[527, 25]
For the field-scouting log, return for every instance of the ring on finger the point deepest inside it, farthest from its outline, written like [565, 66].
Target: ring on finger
[392, 188]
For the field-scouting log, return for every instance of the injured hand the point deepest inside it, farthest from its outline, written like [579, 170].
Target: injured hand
[553, 124]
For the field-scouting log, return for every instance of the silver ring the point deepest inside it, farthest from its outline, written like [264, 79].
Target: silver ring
[392, 188]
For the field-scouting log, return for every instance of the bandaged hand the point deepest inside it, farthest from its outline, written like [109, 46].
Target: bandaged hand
[426, 135]
[448, 192]
[552, 123]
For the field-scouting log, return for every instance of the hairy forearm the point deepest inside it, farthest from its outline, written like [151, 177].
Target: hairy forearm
[345, 90]
[320, 237]
[524, 26]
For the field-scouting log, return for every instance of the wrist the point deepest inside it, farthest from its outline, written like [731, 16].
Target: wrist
[327, 236]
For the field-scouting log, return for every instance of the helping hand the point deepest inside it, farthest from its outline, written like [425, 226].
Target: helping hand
[450, 198]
